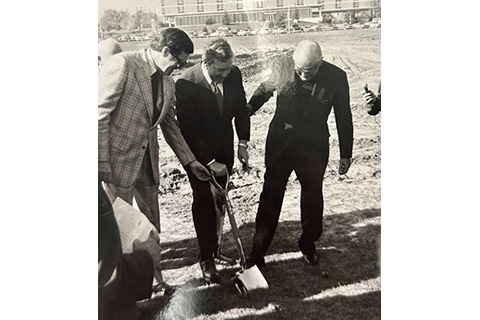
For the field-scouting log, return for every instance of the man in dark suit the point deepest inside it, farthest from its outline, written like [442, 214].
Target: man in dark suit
[209, 95]
[298, 140]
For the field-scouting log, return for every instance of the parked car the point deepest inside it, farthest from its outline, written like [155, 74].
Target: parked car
[242, 33]
[347, 27]
[279, 31]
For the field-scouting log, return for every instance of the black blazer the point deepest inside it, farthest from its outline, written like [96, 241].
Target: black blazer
[208, 134]
[309, 126]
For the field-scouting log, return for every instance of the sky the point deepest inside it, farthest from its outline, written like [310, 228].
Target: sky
[129, 5]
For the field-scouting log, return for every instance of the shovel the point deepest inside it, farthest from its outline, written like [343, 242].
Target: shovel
[245, 280]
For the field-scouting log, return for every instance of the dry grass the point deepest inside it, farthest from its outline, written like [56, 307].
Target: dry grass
[346, 283]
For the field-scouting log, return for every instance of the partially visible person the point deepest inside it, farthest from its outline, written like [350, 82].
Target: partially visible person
[298, 140]
[123, 279]
[209, 96]
[136, 93]
[373, 102]
[106, 49]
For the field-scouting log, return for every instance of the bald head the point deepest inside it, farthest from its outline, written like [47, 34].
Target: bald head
[106, 49]
[307, 57]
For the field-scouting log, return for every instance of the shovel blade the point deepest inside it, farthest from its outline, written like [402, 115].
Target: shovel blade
[249, 279]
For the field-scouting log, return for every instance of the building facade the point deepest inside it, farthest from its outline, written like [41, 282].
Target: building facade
[197, 12]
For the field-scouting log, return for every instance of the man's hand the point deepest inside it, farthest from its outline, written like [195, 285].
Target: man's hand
[369, 97]
[199, 170]
[343, 166]
[104, 171]
[242, 153]
[218, 169]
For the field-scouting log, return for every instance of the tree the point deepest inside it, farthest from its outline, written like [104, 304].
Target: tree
[327, 18]
[111, 20]
[125, 18]
[279, 20]
[226, 18]
[138, 20]
[209, 21]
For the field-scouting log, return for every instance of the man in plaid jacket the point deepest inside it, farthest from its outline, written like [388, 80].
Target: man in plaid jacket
[136, 94]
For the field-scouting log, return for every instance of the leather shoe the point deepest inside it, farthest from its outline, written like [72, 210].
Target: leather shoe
[209, 271]
[255, 260]
[311, 258]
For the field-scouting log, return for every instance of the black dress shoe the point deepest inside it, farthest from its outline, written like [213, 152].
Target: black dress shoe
[209, 271]
[311, 258]
[255, 260]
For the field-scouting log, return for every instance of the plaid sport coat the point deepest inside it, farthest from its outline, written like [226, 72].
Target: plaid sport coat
[125, 110]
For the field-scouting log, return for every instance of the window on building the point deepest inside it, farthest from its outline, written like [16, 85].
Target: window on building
[300, 2]
[219, 5]
[279, 3]
[180, 6]
[259, 4]
[200, 7]
[338, 4]
[239, 5]
[321, 4]
[355, 4]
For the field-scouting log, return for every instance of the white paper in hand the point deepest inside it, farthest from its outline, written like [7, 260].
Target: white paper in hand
[133, 224]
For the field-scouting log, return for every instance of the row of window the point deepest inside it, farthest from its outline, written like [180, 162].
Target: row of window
[257, 5]
[279, 2]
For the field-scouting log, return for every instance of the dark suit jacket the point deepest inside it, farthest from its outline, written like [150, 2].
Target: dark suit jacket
[308, 126]
[208, 134]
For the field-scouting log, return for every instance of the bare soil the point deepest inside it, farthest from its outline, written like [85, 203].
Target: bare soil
[346, 283]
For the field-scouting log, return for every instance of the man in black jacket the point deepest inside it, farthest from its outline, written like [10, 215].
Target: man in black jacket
[209, 95]
[298, 140]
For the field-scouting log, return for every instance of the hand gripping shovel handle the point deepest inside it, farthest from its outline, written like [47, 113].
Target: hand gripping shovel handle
[231, 218]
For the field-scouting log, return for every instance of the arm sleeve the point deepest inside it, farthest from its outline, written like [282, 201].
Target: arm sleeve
[261, 95]
[111, 81]
[174, 137]
[343, 117]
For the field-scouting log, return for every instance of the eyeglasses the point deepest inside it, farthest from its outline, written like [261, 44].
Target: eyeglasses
[308, 71]
[180, 63]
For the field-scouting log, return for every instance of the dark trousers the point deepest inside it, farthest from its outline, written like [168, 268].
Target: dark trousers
[310, 168]
[204, 214]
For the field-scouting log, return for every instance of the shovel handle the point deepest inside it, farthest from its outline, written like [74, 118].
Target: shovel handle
[236, 234]
[217, 185]
[231, 217]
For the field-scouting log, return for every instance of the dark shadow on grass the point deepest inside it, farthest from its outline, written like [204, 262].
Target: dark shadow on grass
[348, 252]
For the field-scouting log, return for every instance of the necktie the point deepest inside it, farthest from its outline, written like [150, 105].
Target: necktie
[218, 97]
[155, 85]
